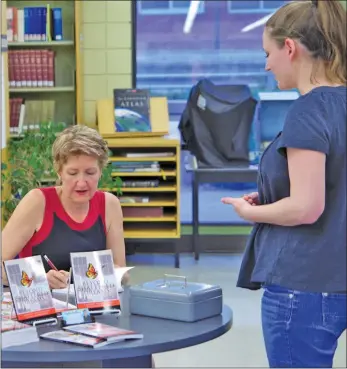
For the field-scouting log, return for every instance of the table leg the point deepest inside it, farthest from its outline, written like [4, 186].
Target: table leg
[195, 209]
[177, 253]
[133, 362]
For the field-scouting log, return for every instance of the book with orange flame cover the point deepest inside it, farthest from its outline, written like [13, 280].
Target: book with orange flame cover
[31, 295]
[95, 281]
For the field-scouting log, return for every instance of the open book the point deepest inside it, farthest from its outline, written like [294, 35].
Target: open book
[62, 293]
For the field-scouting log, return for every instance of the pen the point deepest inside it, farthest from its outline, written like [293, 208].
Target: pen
[68, 289]
[50, 263]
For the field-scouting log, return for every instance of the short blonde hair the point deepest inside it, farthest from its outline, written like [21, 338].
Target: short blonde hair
[79, 140]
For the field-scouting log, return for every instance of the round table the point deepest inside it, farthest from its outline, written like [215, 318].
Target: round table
[160, 335]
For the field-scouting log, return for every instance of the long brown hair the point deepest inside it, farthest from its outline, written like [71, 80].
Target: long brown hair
[320, 25]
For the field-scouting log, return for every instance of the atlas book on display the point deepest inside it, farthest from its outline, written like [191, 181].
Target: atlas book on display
[95, 281]
[132, 110]
[30, 292]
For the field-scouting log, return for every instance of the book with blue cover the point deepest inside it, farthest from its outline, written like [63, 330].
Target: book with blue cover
[132, 110]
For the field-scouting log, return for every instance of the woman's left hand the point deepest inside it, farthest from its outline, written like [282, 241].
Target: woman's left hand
[241, 206]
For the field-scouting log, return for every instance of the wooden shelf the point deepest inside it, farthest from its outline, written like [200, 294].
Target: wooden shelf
[149, 222]
[164, 218]
[42, 43]
[171, 173]
[149, 203]
[152, 233]
[143, 189]
[153, 158]
[41, 89]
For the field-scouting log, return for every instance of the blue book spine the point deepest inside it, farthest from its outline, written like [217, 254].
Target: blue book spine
[43, 23]
[57, 24]
[37, 24]
[31, 24]
[26, 24]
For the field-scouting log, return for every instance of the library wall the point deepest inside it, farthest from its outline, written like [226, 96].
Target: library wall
[107, 44]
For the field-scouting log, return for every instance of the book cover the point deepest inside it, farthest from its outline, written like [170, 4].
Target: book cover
[70, 337]
[104, 331]
[31, 295]
[95, 281]
[132, 110]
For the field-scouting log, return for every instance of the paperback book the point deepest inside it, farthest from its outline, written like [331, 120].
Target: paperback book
[31, 295]
[132, 110]
[95, 281]
[74, 338]
[104, 331]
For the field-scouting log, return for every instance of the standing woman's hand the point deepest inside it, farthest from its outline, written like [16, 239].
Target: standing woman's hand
[252, 198]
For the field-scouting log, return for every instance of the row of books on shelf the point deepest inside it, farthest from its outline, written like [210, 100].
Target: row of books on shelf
[133, 166]
[31, 68]
[28, 114]
[34, 24]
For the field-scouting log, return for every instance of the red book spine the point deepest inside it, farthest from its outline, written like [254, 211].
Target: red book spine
[51, 79]
[22, 73]
[44, 62]
[27, 69]
[11, 78]
[39, 68]
[16, 69]
[33, 71]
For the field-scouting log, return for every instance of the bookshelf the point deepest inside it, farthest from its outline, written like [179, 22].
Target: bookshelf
[44, 75]
[151, 199]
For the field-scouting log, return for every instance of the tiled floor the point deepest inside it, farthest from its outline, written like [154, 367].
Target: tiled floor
[242, 346]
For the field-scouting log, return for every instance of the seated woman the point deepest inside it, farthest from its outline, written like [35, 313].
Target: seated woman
[71, 217]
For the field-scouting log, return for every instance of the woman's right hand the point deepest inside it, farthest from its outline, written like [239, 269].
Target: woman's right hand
[57, 279]
[252, 198]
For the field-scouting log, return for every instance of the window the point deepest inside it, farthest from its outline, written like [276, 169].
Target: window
[254, 6]
[161, 7]
[169, 61]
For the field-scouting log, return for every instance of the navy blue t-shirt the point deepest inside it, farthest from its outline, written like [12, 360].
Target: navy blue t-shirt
[309, 257]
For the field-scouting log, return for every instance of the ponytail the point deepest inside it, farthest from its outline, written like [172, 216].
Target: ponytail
[332, 26]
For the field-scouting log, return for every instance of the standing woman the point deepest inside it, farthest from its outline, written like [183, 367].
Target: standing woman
[297, 249]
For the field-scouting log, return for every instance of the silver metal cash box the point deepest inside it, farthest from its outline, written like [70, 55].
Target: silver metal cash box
[174, 298]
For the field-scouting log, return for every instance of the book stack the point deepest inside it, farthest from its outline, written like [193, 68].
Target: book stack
[14, 333]
[29, 114]
[31, 68]
[34, 24]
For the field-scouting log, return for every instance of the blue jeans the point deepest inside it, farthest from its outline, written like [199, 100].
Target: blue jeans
[301, 329]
